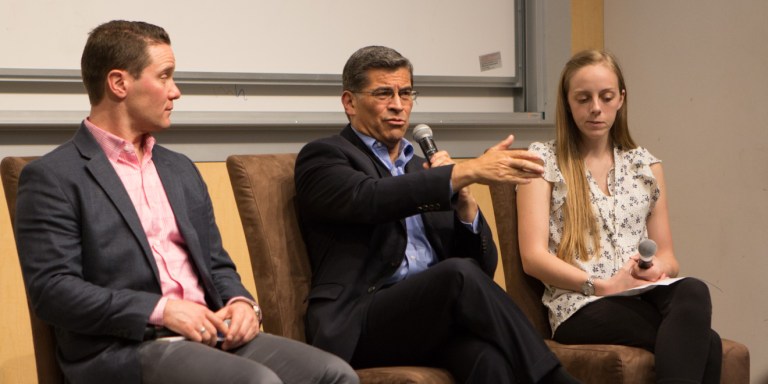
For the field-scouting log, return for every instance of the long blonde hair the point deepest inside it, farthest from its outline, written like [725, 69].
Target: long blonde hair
[579, 222]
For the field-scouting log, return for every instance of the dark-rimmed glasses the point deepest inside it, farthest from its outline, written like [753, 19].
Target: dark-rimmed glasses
[387, 94]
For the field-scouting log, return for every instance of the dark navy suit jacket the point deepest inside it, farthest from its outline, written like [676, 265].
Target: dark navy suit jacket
[352, 215]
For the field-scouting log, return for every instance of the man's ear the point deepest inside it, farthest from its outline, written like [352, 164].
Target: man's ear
[117, 83]
[349, 101]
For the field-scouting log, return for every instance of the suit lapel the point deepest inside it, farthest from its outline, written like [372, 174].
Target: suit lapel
[104, 174]
[380, 169]
[174, 190]
[350, 135]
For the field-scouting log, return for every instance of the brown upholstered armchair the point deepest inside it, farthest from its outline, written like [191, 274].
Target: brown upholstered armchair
[48, 370]
[264, 192]
[590, 363]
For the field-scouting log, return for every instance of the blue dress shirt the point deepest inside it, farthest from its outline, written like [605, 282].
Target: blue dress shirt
[419, 253]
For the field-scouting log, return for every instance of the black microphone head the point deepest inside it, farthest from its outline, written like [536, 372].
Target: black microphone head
[647, 248]
[421, 131]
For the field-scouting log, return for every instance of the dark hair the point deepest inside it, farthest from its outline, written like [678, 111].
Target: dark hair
[117, 44]
[354, 78]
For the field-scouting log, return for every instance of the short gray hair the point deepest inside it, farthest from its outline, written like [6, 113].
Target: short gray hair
[354, 78]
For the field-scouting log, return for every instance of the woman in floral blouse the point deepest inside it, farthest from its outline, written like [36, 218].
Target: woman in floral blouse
[581, 223]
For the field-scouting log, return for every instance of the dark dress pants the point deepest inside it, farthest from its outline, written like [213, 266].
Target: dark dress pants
[673, 322]
[456, 317]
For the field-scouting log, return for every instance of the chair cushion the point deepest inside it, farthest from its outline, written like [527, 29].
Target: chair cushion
[598, 363]
[404, 375]
[735, 363]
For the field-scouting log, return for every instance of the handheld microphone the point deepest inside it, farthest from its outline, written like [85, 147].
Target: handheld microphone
[646, 248]
[423, 135]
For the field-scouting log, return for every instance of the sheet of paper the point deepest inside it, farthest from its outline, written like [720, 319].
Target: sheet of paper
[646, 287]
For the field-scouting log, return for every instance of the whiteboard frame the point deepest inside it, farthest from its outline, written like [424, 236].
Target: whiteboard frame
[523, 115]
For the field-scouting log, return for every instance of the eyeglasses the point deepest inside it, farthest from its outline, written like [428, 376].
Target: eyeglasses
[387, 94]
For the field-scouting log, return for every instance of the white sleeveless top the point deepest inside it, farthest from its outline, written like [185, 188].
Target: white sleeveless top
[621, 220]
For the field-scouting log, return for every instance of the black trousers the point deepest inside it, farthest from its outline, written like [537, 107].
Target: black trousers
[456, 317]
[673, 322]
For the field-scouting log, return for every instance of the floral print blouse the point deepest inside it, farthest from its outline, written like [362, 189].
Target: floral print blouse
[621, 219]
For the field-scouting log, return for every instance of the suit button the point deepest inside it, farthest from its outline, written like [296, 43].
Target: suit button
[371, 289]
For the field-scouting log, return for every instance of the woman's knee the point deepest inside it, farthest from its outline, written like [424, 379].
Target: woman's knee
[715, 344]
[695, 287]
[693, 292]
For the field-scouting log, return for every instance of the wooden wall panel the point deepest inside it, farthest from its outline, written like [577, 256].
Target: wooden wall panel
[228, 219]
[586, 25]
[17, 358]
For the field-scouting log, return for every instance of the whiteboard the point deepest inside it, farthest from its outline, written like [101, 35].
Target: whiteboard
[440, 37]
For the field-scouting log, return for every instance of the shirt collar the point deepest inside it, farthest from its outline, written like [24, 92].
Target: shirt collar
[115, 146]
[382, 152]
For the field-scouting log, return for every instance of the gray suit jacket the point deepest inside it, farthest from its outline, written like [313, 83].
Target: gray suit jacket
[87, 264]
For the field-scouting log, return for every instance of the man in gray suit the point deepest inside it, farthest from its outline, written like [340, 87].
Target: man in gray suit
[118, 242]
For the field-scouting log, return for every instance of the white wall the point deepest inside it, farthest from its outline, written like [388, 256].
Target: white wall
[697, 77]
[268, 113]
[298, 36]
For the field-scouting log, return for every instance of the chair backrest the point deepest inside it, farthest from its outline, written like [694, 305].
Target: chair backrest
[43, 339]
[264, 192]
[525, 290]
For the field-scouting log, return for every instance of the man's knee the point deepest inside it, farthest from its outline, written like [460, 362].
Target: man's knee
[339, 372]
[251, 374]
[460, 269]
[462, 277]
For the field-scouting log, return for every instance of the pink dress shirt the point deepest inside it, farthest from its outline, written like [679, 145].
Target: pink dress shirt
[178, 279]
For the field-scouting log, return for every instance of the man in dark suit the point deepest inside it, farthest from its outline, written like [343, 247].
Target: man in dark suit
[402, 258]
[118, 242]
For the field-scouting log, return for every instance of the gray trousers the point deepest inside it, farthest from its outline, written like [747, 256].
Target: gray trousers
[266, 359]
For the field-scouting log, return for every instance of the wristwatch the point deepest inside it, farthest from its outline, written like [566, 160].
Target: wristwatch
[257, 309]
[588, 288]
